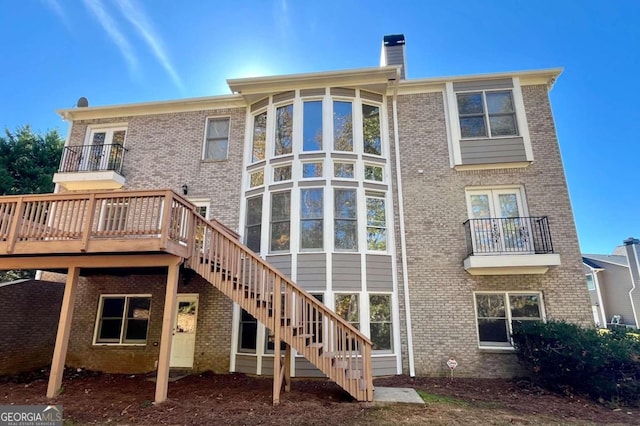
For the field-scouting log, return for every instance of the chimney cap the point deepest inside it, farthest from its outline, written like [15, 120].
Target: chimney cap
[630, 241]
[393, 40]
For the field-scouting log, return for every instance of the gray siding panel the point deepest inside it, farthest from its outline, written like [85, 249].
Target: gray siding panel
[283, 96]
[346, 273]
[371, 96]
[379, 273]
[246, 364]
[615, 284]
[312, 271]
[260, 104]
[341, 91]
[502, 83]
[305, 369]
[344, 183]
[485, 151]
[314, 182]
[281, 263]
[384, 365]
[312, 92]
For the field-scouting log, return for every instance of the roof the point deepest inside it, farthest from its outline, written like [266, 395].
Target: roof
[590, 263]
[248, 90]
[606, 258]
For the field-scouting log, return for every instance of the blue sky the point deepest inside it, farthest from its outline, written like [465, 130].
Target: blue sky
[123, 51]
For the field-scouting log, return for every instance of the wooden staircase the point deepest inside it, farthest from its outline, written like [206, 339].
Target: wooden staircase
[157, 227]
[292, 315]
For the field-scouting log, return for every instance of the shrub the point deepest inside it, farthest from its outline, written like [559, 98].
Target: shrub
[566, 357]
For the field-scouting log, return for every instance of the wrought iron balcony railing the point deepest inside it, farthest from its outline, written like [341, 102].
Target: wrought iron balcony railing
[509, 235]
[92, 158]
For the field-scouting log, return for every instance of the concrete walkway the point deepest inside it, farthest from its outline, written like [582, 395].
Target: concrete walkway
[391, 395]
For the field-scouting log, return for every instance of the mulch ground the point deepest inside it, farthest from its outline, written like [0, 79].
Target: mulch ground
[94, 398]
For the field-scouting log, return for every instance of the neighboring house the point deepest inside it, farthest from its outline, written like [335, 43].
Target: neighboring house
[28, 322]
[429, 214]
[614, 285]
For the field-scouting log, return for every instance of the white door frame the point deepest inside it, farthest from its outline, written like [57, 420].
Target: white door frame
[178, 335]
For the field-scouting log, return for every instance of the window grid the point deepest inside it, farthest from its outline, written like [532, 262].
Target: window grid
[487, 114]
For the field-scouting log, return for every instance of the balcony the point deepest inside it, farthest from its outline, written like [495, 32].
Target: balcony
[507, 246]
[91, 167]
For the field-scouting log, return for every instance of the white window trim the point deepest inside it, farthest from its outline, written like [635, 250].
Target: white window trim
[270, 222]
[206, 131]
[302, 101]
[109, 128]
[506, 294]
[273, 119]
[382, 197]
[454, 135]
[99, 315]
[381, 166]
[273, 168]
[382, 352]
[341, 161]
[252, 172]
[299, 221]
[318, 161]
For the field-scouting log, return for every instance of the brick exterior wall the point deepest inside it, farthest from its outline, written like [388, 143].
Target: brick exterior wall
[28, 324]
[213, 330]
[440, 291]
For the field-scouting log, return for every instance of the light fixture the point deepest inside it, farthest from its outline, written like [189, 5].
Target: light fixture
[185, 189]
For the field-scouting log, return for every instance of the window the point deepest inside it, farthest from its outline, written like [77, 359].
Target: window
[376, 224]
[345, 221]
[342, 126]
[284, 130]
[280, 221]
[123, 320]
[253, 227]
[216, 142]
[375, 173]
[247, 332]
[282, 173]
[256, 178]
[259, 137]
[312, 170]
[311, 222]
[371, 129]
[591, 285]
[343, 170]
[312, 126]
[380, 322]
[498, 313]
[348, 307]
[486, 114]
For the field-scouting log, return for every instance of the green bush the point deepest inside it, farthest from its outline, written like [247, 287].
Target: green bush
[565, 357]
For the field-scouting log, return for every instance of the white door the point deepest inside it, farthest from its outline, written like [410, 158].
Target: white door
[101, 153]
[500, 224]
[184, 331]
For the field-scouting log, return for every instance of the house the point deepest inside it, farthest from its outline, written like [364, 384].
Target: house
[403, 221]
[613, 282]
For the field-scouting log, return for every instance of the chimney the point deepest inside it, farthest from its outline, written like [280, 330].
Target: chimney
[393, 52]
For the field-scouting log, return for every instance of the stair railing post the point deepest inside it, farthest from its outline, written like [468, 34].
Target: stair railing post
[277, 318]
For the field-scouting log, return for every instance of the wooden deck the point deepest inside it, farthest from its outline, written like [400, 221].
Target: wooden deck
[118, 229]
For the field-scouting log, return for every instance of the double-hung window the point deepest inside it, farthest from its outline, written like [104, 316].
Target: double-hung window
[376, 224]
[216, 144]
[280, 221]
[345, 220]
[123, 320]
[253, 226]
[380, 322]
[487, 114]
[311, 218]
[497, 314]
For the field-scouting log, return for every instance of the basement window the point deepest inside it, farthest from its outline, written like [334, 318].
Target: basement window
[123, 320]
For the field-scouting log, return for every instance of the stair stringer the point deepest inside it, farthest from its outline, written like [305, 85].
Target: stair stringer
[325, 339]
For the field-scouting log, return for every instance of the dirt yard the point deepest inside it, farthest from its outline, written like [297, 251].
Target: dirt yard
[236, 399]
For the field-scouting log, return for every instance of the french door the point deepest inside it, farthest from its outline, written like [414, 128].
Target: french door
[99, 155]
[499, 222]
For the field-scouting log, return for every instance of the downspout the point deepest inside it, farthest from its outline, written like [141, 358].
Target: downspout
[633, 280]
[599, 294]
[403, 243]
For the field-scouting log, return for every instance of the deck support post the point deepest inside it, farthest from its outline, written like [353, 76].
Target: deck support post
[168, 321]
[287, 368]
[64, 329]
[277, 318]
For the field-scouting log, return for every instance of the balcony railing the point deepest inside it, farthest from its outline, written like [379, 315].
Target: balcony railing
[512, 235]
[92, 158]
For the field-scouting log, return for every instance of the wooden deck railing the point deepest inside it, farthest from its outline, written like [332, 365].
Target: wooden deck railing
[163, 221]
